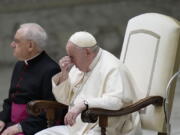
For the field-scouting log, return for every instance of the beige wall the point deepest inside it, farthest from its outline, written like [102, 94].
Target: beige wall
[106, 19]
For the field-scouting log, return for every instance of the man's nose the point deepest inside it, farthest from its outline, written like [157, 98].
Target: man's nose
[12, 44]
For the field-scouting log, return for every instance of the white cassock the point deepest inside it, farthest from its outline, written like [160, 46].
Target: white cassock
[108, 85]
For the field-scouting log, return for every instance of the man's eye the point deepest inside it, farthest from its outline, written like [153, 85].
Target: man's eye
[16, 41]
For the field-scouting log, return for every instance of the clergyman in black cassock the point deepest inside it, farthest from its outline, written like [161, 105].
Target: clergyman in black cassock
[31, 80]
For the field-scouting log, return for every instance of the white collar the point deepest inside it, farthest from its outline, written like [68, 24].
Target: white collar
[96, 59]
[26, 61]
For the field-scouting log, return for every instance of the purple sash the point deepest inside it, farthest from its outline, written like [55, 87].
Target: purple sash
[18, 112]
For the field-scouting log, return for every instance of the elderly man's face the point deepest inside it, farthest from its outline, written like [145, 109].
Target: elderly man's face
[78, 56]
[20, 46]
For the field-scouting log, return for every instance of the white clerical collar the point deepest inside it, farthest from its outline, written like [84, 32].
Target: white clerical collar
[26, 61]
[96, 59]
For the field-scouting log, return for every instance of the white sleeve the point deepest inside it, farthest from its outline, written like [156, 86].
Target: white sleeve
[61, 91]
[114, 96]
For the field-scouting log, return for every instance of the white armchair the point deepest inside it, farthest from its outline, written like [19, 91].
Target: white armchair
[151, 52]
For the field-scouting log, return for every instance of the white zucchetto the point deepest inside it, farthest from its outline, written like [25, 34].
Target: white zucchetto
[83, 39]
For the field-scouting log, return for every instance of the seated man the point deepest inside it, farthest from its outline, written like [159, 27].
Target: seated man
[31, 80]
[91, 77]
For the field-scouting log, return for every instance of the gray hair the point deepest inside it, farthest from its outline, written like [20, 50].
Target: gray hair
[34, 32]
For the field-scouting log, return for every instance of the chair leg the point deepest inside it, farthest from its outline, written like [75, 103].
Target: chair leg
[103, 124]
[162, 133]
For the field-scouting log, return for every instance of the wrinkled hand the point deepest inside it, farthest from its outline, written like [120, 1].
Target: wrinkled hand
[65, 64]
[12, 130]
[70, 118]
[2, 125]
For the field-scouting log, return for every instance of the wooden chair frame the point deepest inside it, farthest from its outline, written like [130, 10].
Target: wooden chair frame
[93, 114]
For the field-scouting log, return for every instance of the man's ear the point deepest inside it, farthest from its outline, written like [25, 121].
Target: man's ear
[30, 45]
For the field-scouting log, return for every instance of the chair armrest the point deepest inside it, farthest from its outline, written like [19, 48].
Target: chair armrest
[91, 115]
[37, 107]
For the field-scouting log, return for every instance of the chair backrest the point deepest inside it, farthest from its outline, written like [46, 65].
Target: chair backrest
[150, 51]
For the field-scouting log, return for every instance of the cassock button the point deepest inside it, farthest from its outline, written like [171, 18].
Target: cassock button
[17, 86]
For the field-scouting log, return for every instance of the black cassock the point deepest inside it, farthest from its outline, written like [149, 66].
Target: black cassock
[30, 81]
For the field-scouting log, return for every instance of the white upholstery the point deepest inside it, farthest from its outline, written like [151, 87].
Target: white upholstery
[149, 51]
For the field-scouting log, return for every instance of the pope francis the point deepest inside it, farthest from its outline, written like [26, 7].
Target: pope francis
[91, 77]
